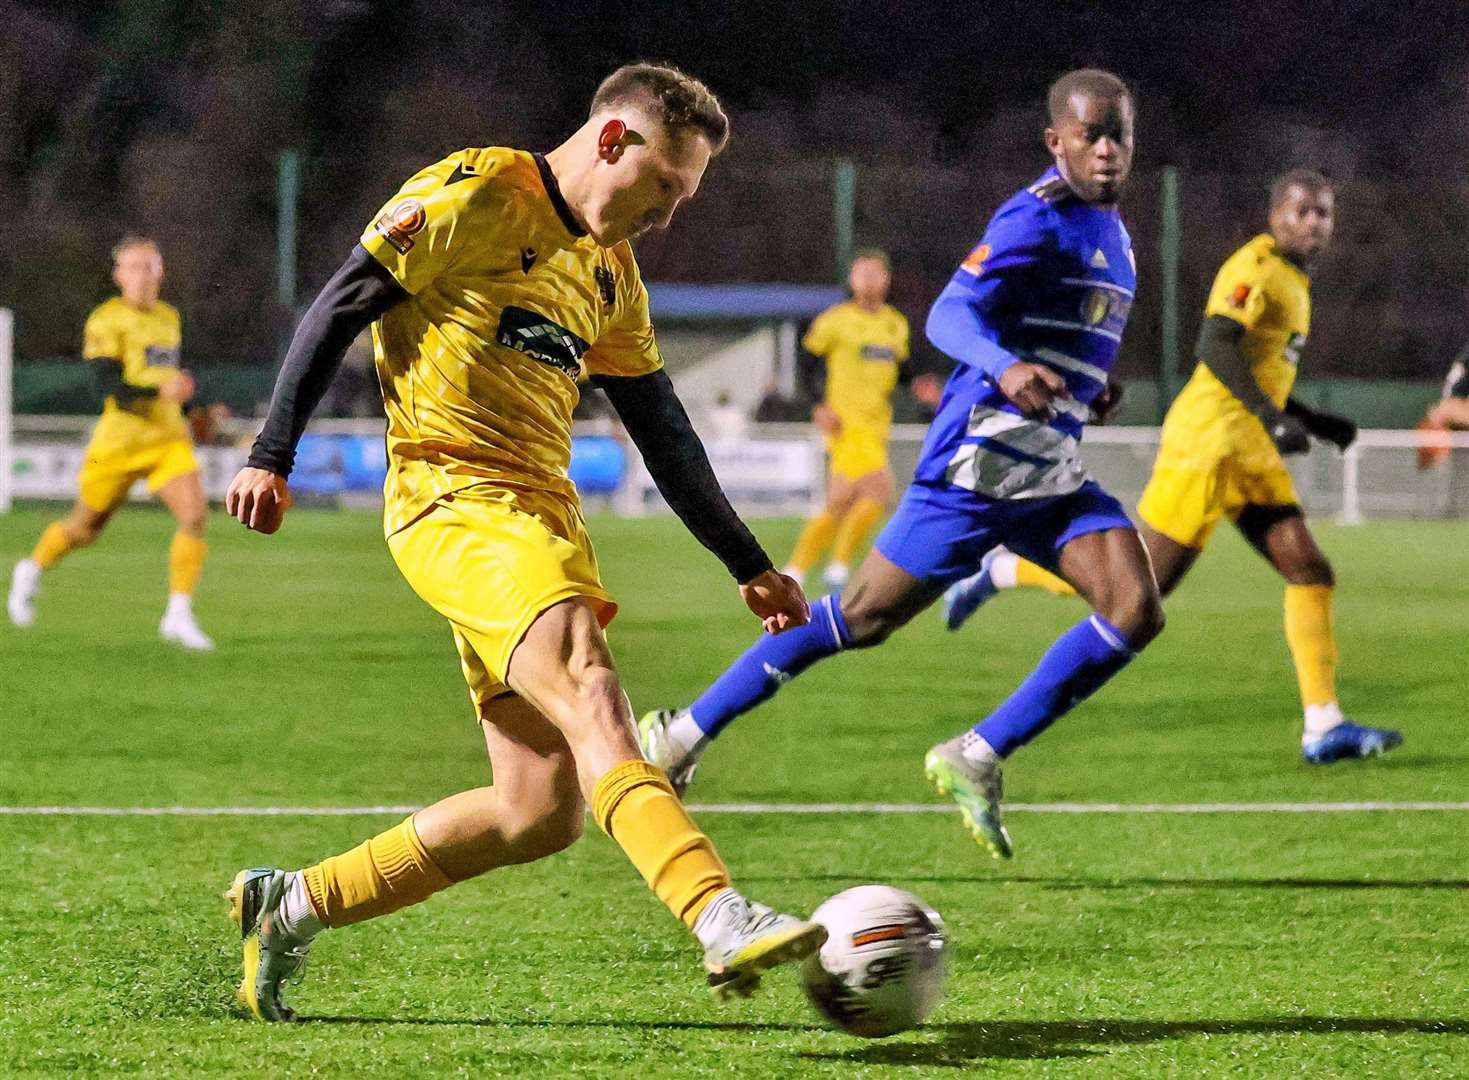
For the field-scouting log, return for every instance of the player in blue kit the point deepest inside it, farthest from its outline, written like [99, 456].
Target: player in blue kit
[1034, 316]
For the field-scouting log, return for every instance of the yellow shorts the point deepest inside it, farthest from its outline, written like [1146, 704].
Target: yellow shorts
[107, 474]
[1184, 501]
[855, 452]
[491, 560]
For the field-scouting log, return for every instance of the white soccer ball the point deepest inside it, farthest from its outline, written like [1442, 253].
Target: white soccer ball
[881, 970]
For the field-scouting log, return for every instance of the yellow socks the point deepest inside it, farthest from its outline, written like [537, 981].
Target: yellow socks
[1028, 573]
[1312, 641]
[635, 805]
[815, 538]
[54, 543]
[379, 876]
[185, 563]
[854, 529]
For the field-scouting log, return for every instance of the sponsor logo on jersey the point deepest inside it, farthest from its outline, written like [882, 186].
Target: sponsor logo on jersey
[541, 339]
[1099, 261]
[878, 352]
[606, 285]
[161, 356]
[398, 224]
[974, 262]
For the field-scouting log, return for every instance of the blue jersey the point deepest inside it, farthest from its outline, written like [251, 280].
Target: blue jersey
[1051, 283]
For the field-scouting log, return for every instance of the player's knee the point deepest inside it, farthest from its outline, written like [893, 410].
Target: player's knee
[84, 531]
[1312, 569]
[1139, 616]
[869, 621]
[192, 521]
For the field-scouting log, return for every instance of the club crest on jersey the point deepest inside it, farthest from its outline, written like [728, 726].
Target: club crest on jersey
[606, 285]
[1239, 296]
[541, 339]
[398, 224]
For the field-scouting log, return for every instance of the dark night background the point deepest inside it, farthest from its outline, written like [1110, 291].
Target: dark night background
[167, 117]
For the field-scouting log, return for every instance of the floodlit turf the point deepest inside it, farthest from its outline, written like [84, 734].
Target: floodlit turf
[1247, 944]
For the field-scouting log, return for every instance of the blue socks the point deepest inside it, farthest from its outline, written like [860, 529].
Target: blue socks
[772, 661]
[1074, 668]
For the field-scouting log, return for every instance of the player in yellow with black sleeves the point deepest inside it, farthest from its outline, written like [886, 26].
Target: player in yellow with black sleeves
[1221, 456]
[496, 280]
[132, 344]
[857, 352]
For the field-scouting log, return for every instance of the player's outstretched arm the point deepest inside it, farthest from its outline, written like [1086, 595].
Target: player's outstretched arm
[359, 292]
[1219, 349]
[660, 428]
[1335, 429]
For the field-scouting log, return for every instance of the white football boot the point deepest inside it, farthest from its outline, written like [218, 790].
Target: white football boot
[181, 628]
[270, 957]
[20, 604]
[742, 939]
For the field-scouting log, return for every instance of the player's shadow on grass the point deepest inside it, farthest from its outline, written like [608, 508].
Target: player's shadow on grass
[956, 1045]
[1081, 884]
[732, 1027]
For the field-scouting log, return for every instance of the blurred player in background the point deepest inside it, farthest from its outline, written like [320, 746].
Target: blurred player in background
[1034, 316]
[1451, 411]
[857, 353]
[132, 342]
[494, 281]
[1221, 456]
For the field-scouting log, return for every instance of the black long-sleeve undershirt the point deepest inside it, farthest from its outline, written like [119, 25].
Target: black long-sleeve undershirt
[1219, 350]
[362, 290]
[655, 418]
[357, 295]
[110, 379]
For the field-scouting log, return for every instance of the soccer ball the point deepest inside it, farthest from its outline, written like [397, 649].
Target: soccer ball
[881, 970]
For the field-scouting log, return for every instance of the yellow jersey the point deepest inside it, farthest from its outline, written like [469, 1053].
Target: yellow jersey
[147, 345]
[862, 351]
[510, 306]
[1269, 296]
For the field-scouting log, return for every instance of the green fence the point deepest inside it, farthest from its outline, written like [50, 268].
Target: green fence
[64, 387]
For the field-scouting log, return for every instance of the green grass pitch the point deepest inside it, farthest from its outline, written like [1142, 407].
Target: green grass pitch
[1251, 944]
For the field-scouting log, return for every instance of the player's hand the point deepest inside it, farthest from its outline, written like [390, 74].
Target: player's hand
[1332, 428]
[826, 419]
[1108, 401]
[1032, 387]
[179, 388]
[777, 600]
[927, 389]
[1289, 435]
[258, 499]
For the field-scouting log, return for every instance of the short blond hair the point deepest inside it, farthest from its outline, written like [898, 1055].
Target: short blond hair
[130, 241]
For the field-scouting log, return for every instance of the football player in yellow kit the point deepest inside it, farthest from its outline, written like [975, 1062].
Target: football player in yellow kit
[859, 348]
[1221, 456]
[132, 342]
[495, 281]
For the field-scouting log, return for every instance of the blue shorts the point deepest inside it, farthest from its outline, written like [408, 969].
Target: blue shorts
[942, 532]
